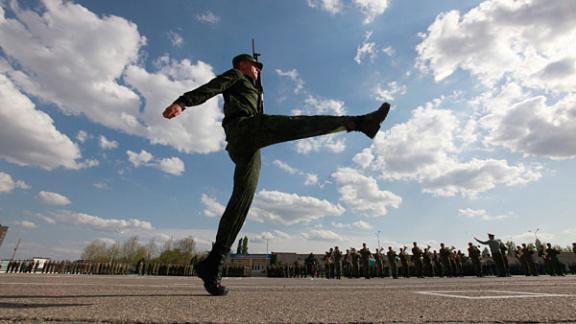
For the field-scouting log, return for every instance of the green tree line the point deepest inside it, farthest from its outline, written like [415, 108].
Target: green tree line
[132, 251]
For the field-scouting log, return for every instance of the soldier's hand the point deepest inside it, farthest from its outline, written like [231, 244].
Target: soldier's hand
[172, 111]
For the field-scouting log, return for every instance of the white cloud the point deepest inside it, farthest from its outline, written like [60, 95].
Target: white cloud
[362, 194]
[7, 184]
[208, 17]
[289, 209]
[524, 40]
[212, 208]
[331, 6]
[53, 198]
[480, 213]
[425, 149]
[294, 76]
[25, 224]
[322, 106]
[198, 129]
[99, 223]
[326, 143]
[366, 49]
[107, 144]
[69, 56]
[390, 92]
[310, 179]
[285, 167]
[529, 124]
[172, 165]
[81, 136]
[518, 50]
[322, 235]
[138, 159]
[371, 8]
[389, 51]
[175, 38]
[28, 136]
[362, 225]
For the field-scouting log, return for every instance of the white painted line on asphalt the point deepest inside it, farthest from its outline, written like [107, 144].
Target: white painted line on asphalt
[493, 294]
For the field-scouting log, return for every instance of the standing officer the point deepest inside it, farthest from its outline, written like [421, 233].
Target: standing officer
[497, 257]
[248, 130]
[337, 254]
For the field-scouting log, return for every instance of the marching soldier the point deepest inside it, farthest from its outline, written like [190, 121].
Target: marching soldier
[365, 259]
[405, 271]
[248, 130]
[337, 254]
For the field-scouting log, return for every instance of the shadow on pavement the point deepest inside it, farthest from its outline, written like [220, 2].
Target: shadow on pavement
[27, 305]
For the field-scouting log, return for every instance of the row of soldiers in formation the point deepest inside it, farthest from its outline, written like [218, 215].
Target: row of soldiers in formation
[447, 261]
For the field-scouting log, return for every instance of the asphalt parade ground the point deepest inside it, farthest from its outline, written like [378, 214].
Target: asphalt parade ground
[132, 299]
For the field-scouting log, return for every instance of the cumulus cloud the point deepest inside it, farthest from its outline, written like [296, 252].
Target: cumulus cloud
[371, 8]
[107, 144]
[362, 225]
[53, 198]
[66, 55]
[295, 77]
[310, 179]
[366, 49]
[529, 124]
[7, 184]
[81, 136]
[331, 6]
[99, 223]
[175, 38]
[481, 214]
[28, 136]
[212, 208]
[138, 159]
[26, 224]
[172, 165]
[208, 17]
[525, 40]
[322, 235]
[390, 92]
[426, 148]
[518, 50]
[362, 194]
[289, 209]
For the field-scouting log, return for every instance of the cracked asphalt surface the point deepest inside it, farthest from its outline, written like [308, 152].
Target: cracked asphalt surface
[133, 299]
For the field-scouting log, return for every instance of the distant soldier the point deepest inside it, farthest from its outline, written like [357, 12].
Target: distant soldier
[428, 269]
[329, 264]
[437, 264]
[337, 254]
[405, 270]
[445, 255]
[347, 264]
[391, 255]
[552, 256]
[504, 252]
[378, 263]
[474, 255]
[497, 257]
[365, 255]
[417, 260]
[310, 263]
[355, 263]
[458, 260]
[528, 254]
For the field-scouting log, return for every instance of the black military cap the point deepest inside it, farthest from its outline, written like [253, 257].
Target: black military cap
[246, 57]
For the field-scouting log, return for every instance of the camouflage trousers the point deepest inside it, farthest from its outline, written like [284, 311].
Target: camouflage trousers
[245, 137]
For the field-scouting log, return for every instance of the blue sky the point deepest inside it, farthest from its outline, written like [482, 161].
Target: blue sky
[481, 137]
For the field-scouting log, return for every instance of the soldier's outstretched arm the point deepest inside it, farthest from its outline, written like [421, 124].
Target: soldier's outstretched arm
[201, 94]
[482, 242]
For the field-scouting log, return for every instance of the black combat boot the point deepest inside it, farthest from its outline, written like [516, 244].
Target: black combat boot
[210, 271]
[369, 124]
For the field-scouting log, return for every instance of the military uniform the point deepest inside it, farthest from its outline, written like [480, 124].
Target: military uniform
[417, 260]
[365, 258]
[391, 254]
[248, 130]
